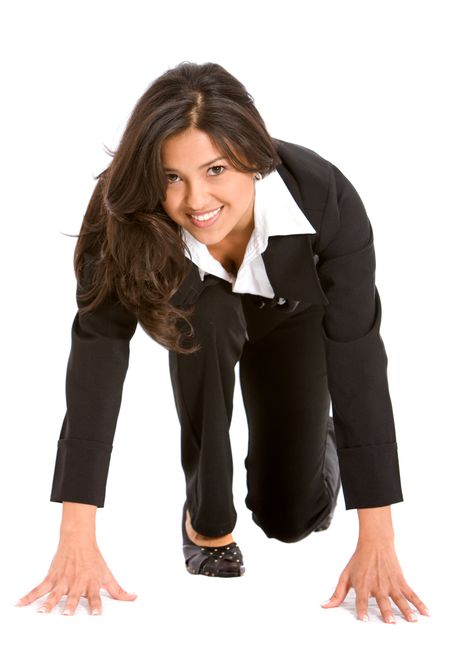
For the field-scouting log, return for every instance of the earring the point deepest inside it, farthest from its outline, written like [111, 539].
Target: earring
[258, 176]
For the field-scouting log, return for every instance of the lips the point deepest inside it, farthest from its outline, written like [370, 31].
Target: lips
[207, 222]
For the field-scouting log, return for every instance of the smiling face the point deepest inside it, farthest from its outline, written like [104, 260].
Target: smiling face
[202, 182]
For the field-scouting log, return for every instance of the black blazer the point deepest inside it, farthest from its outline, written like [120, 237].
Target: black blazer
[335, 267]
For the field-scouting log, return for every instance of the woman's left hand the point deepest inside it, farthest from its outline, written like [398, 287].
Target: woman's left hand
[374, 570]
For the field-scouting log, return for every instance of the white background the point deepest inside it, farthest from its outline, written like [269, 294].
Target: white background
[361, 83]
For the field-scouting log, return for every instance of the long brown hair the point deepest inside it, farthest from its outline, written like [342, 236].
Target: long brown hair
[131, 249]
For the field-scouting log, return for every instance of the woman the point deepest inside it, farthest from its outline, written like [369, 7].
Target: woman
[227, 246]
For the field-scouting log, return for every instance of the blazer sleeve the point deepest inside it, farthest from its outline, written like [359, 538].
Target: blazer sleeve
[356, 355]
[96, 370]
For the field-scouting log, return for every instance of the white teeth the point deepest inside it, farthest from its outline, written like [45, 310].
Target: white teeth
[205, 217]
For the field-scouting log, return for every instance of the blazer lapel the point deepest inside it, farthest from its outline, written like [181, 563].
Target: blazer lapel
[190, 287]
[291, 270]
[289, 260]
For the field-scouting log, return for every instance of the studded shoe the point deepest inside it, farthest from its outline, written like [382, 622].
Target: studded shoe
[224, 561]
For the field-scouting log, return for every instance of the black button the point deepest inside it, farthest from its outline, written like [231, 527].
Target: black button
[284, 304]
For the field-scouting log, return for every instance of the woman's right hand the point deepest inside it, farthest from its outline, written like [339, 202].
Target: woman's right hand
[77, 570]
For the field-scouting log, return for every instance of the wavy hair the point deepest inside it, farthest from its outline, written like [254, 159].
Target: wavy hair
[132, 250]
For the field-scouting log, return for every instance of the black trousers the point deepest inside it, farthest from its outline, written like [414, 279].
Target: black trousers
[292, 466]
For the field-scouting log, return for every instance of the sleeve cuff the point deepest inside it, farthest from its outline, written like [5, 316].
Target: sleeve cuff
[81, 471]
[370, 475]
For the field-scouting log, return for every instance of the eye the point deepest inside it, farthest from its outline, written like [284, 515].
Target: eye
[212, 167]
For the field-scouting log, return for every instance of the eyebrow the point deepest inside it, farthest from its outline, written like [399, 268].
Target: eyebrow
[167, 168]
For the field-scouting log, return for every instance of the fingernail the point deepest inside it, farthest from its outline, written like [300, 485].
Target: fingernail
[427, 611]
[327, 601]
[390, 619]
[95, 612]
[66, 612]
[365, 618]
[18, 602]
[43, 609]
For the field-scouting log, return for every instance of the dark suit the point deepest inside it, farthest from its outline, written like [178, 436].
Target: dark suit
[333, 269]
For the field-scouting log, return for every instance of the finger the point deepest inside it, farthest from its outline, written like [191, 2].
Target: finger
[339, 594]
[116, 592]
[51, 601]
[361, 604]
[414, 599]
[385, 608]
[404, 607]
[73, 600]
[95, 603]
[40, 590]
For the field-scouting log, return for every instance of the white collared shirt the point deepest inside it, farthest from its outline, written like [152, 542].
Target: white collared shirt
[275, 213]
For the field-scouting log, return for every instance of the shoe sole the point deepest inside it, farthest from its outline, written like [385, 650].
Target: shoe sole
[230, 575]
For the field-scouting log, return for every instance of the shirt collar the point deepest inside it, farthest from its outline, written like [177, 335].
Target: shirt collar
[275, 211]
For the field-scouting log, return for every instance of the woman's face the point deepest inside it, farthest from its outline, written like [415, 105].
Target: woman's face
[200, 181]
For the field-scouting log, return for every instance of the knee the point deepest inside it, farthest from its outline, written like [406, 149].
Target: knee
[292, 521]
[283, 530]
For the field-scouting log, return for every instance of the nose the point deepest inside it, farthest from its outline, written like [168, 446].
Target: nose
[197, 196]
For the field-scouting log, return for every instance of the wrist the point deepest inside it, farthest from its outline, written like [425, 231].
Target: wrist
[375, 523]
[78, 519]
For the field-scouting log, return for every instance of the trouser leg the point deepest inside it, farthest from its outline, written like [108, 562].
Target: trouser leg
[292, 465]
[203, 385]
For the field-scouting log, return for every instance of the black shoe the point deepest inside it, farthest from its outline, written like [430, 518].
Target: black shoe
[225, 561]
